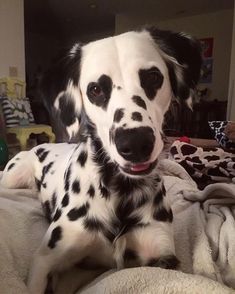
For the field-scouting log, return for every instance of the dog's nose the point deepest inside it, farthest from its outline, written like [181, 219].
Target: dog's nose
[135, 145]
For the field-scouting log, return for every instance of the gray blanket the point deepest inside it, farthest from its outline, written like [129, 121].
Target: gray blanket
[204, 237]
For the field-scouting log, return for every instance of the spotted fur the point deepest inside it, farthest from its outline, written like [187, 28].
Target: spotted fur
[105, 194]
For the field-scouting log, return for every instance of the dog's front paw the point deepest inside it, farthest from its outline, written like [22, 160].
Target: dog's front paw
[166, 262]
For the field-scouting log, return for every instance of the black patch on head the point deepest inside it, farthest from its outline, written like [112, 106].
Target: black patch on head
[57, 215]
[173, 150]
[47, 210]
[166, 262]
[65, 200]
[118, 115]
[91, 191]
[67, 109]
[139, 101]
[10, 166]
[162, 215]
[82, 158]
[76, 187]
[56, 235]
[41, 154]
[136, 116]
[77, 213]
[67, 178]
[150, 80]
[99, 93]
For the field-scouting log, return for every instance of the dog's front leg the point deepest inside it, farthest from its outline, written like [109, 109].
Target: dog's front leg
[62, 247]
[152, 245]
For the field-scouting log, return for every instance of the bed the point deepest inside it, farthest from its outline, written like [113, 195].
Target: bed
[204, 232]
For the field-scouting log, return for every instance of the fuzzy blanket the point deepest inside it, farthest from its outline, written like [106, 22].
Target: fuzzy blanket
[204, 227]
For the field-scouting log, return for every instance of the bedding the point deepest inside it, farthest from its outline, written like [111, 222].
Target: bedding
[204, 165]
[204, 232]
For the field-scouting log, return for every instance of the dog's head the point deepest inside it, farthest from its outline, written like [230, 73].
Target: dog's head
[125, 84]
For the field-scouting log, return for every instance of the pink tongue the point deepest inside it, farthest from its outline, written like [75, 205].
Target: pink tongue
[140, 167]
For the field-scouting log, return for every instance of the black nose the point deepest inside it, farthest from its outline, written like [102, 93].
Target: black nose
[135, 145]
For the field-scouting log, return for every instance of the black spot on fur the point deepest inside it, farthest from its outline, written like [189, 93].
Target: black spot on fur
[67, 178]
[136, 116]
[162, 215]
[77, 213]
[47, 210]
[65, 200]
[76, 187]
[38, 184]
[10, 166]
[91, 191]
[93, 224]
[45, 170]
[139, 101]
[57, 215]
[118, 115]
[102, 96]
[158, 198]
[150, 80]
[196, 159]
[41, 154]
[53, 201]
[104, 191]
[130, 254]
[56, 235]
[82, 158]
[166, 262]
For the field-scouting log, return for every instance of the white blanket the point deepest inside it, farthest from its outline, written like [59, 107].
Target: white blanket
[204, 229]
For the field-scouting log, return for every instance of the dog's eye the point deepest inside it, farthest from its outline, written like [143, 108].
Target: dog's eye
[95, 90]
[154, 77]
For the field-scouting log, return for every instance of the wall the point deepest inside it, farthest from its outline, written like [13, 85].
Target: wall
[217, 25]
[231, 103]
[12, 37]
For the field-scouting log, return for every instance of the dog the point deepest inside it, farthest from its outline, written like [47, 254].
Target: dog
[104, 196]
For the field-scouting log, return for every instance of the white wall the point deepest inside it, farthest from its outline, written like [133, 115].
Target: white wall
[12, 52]
[231, 102]
[217, 25]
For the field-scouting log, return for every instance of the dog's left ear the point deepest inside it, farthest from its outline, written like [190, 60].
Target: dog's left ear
[182, 54]
[59, 89]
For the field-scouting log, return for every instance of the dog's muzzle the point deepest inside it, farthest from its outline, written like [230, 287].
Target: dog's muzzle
[135, 145]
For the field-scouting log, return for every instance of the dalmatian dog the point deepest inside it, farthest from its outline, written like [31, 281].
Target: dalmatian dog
[104, 196]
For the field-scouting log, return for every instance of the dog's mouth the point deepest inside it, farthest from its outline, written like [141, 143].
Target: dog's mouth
[139, 168]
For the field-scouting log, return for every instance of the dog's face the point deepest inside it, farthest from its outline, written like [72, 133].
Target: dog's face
[126, 90]
[125, 85]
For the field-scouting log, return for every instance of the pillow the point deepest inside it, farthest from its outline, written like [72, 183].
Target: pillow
[17, 112]
[218, 128]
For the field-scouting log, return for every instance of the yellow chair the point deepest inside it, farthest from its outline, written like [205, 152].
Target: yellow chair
[18, 115]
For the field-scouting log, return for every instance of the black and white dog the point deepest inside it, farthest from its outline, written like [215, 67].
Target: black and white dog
[104, 196]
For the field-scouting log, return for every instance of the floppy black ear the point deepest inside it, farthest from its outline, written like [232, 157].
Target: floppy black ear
[60, 92]
[182, 54]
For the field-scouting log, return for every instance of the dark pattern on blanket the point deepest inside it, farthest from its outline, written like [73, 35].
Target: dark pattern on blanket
[204, 166]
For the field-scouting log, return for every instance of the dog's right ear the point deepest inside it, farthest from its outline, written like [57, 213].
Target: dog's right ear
[60, 92]
[182, 54]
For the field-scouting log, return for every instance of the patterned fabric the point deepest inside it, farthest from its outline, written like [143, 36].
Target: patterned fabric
[218, 128]
[16, 112]
[204, 166]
